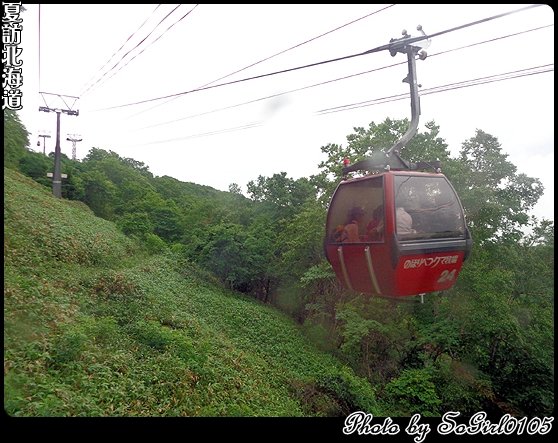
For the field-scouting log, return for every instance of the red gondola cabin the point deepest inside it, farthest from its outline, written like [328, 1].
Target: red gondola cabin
[412, 235]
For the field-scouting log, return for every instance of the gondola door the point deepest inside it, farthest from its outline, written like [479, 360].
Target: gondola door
[428, 254]
[360, 263]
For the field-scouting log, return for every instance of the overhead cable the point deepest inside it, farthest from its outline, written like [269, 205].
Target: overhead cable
[443, 88]
[137, 45]
[118, 50]
[370, 51]
[270, 57]
[339, 79]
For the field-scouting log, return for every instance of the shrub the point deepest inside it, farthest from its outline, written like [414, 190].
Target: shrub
[414, 392]
[69, 346]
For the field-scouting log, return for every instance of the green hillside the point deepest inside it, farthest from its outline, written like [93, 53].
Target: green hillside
[94, 326]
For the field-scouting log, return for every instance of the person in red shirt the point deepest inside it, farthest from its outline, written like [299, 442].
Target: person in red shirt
[351, 229]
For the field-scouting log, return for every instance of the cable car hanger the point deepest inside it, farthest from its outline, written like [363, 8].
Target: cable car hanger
[392, 159]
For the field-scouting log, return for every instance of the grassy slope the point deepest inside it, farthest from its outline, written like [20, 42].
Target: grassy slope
[92, 327]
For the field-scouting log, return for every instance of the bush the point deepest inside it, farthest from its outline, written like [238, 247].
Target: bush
[69, 346]
[414, 392]
[114, 284]
[152, 334]
[153, 243]
[352, 393]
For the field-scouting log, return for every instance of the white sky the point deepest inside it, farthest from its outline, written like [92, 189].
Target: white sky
[76, 41]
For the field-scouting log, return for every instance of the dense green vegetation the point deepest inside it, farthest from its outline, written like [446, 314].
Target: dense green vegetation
[144, 295]
[95, 326]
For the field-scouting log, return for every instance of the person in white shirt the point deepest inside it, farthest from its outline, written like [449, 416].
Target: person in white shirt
[404, 221]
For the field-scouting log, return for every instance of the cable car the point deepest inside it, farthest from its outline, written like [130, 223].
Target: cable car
[400, 230]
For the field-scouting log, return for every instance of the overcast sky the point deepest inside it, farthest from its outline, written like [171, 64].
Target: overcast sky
[234, 133]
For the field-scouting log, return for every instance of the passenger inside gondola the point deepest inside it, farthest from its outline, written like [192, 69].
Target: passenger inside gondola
[375, 228]
[352, 227]
[404, 221]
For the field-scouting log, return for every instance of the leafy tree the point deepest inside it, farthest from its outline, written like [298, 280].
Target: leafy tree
[167, 221]
[512, 327]
[36, 166]
[261, 252]
[99, 194]
[495, 197]
[375, 335]
[153, 243]
[135, 223]
[414, 392]
[132, 194]
[16, 139]
[98, 154]
[241, 258]
[138, 166]
[224, 254]
[300, 240]
[73, 187]
[234, 188]
[282, 196]
[202, 205]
